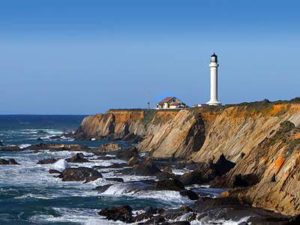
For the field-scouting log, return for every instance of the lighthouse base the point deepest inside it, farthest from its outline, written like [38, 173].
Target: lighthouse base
[214, 103]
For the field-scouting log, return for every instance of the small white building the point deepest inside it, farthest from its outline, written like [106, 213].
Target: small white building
[171, 103]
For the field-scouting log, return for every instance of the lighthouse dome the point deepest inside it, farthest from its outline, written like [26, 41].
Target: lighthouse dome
[214, 58]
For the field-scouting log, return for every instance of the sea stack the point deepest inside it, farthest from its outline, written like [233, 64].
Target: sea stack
[214, 81]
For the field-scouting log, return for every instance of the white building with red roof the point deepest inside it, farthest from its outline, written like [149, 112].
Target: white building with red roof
[171, 103]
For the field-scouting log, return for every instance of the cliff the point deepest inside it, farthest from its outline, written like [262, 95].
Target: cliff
[262, 138]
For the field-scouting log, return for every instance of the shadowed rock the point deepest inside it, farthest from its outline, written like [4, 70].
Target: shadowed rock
[147, 168]
[222, 166]
[8, 162]
[126, 154]
[117, 179]
[122, 213]
[194, 177]
[169, 184]
[78, 158]
[47, 161]
[80, 174]
[190, 194]
[245, 180]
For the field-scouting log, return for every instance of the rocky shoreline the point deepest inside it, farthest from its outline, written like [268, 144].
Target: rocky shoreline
[225, 204]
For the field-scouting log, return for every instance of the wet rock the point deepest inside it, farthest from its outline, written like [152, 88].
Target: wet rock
[8, 162]
[10, 148]
[109, 147]
[194, 177]
[122, 213]
[245, 180]
[190, 194]
[115, 165]
[165, 175]
[103, 188]
[51, 171]
[133, 161]
[78, 158]
[148, 214]
[117, 179]
[126, 154]
[156, 220]
[294, 221]
[80, 174]
[147, 168]
[222, 166]
[169, 184]
[47, 161]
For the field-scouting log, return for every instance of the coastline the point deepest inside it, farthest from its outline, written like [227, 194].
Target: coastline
[261, 138]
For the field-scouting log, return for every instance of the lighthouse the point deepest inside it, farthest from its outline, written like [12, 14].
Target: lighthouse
[213, 65]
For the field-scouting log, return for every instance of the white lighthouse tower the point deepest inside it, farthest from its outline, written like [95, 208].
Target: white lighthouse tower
[214, 81]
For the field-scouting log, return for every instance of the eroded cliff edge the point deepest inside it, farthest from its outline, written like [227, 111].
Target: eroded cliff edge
[263, 139]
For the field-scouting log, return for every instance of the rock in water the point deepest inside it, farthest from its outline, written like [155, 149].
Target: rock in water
[80, 174]
[126, 154]
[8, 162]
[169, 184]
[78, 158]
[194, 177]
[148, 168]
[122, 213]
[47, 161]
[109, 147]
[60, 165]
[190, 194]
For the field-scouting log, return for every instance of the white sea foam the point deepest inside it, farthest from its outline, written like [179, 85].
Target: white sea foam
[205, 221]
[140, 190]
[22, 146]
[81, 216]
[60, 165]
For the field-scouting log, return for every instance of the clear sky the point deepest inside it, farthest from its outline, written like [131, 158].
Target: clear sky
[84, 57]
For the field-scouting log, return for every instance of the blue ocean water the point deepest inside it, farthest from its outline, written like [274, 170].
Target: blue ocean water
[30, 195]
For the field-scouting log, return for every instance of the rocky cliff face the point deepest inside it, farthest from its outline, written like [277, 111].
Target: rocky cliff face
[263, 139]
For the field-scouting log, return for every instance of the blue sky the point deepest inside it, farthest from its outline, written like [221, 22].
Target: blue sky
[84, 57]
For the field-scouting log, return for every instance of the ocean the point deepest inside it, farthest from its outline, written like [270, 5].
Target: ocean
[29, 194]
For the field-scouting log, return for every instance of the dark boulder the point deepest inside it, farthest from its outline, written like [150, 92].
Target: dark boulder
[122, 213]
[8, 162]
[10, 148]
[165, 175]
[80, 174]
[157, 219]
[222, 166]
[126, 154]
[147, 168]
[103, 188]
[51, 171]
[78, 158]
[294, 221]
[190, 194]
[169, 184]
[117, 179]
[194, 177]
[245, 180]
[148, 214]
[47, 161]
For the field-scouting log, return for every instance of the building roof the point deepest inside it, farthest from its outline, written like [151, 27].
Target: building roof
[171, 101]
[166, 100]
